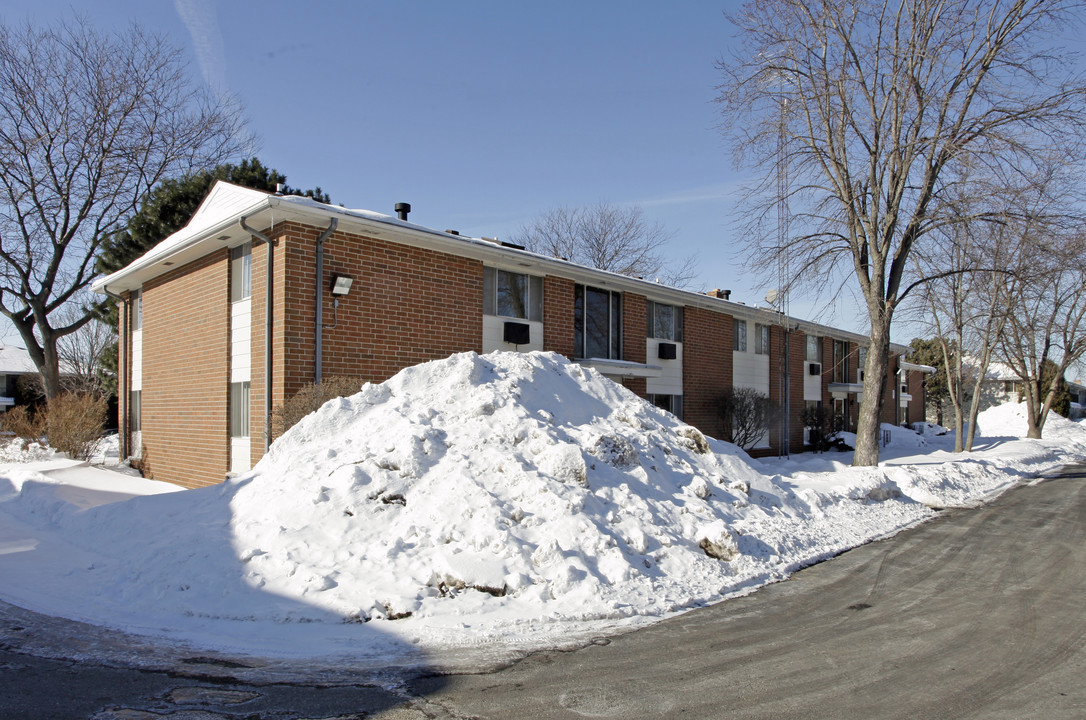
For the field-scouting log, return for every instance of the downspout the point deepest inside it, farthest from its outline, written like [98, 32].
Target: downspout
[318, 344]
[269, 297]
[125, 448]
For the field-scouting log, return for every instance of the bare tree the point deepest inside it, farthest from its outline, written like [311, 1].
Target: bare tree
[80, 353]
[608, 237]
[969, 309]
[746, 415]
[981, 269]
[1046, 325]
[883, 103]
[89, 122]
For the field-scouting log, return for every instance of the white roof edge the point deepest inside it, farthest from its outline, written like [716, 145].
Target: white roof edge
[189, 237]
[904, 365]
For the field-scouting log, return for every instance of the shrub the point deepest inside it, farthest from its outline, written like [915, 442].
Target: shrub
[309, 398]
[74, 424]
[746, 415]
[22, 423]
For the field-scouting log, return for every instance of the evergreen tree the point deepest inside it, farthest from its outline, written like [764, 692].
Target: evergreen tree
[926, 351]
[1061, 404]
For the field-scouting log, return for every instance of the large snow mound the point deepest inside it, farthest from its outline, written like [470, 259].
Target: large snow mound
[492, 482]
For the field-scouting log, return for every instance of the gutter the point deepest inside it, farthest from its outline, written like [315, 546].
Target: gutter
[318, 345]
[269, 297]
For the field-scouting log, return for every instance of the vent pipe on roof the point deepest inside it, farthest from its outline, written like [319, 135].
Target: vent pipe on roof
[402, 209]
[720, 294]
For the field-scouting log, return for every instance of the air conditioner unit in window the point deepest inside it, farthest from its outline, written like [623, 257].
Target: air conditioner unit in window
[667, 351]
[517, 333]
[814, 368]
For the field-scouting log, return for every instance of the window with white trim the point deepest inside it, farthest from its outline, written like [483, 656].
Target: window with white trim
[135, 414]
[239, 409]
[137, 309]
[672, 403]
[512, 295]
[761, 339]
[665, 322]
[814, 349]
[740, 336]
[241, 272]
[597, 324]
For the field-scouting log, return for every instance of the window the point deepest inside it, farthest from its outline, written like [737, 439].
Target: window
[241, 272]
[239, 409]
[761, 339]
[514, 295]
[665, 322]
[672, 403]
[840, 361]
[814, 349]
[861, 360]
[740, 335]
[134, 411]
[597, 323]
[137, 310]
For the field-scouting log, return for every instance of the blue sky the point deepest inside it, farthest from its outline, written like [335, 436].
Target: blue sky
[482, 115]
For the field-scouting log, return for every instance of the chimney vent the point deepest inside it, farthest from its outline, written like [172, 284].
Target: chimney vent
[280, 188]
[402, 209]
[720, 294]
[453, 232]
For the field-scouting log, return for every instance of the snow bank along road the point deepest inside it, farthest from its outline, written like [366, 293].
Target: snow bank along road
[977, 613]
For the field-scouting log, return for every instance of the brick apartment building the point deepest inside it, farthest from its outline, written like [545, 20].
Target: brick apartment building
[203, 363]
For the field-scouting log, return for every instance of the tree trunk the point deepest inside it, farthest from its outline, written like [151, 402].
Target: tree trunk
[1033, 419]
[44, 355]
[867, 426]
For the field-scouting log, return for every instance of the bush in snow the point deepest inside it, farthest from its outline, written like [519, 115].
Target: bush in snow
[74, 424]
[309, 398]
[746, 414]
[22, 423]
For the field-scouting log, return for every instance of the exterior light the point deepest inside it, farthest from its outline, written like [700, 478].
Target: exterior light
[341, 284]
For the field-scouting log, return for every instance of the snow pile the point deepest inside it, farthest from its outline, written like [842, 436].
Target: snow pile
[903, 437]
[510, 497]
[510, 485]
[17, 450]
[1009, 420]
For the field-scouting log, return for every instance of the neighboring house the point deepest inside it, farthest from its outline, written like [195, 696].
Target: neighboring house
[1078, 399]
[202, 363]
[15, 363]
[1000, 385]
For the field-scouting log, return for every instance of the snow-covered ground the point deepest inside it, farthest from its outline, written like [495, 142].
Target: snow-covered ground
[499, 503]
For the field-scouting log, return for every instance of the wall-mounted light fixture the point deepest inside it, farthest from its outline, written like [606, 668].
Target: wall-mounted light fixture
[341, 284]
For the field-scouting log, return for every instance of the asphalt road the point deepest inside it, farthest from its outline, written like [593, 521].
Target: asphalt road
[977, 614]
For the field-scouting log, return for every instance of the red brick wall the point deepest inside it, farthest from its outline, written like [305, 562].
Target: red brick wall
[634, 333]
[891, 395]
[707, 367]
[916, 389]
[797, 371]
[406, 306]
[558, 315]
[186, 316]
